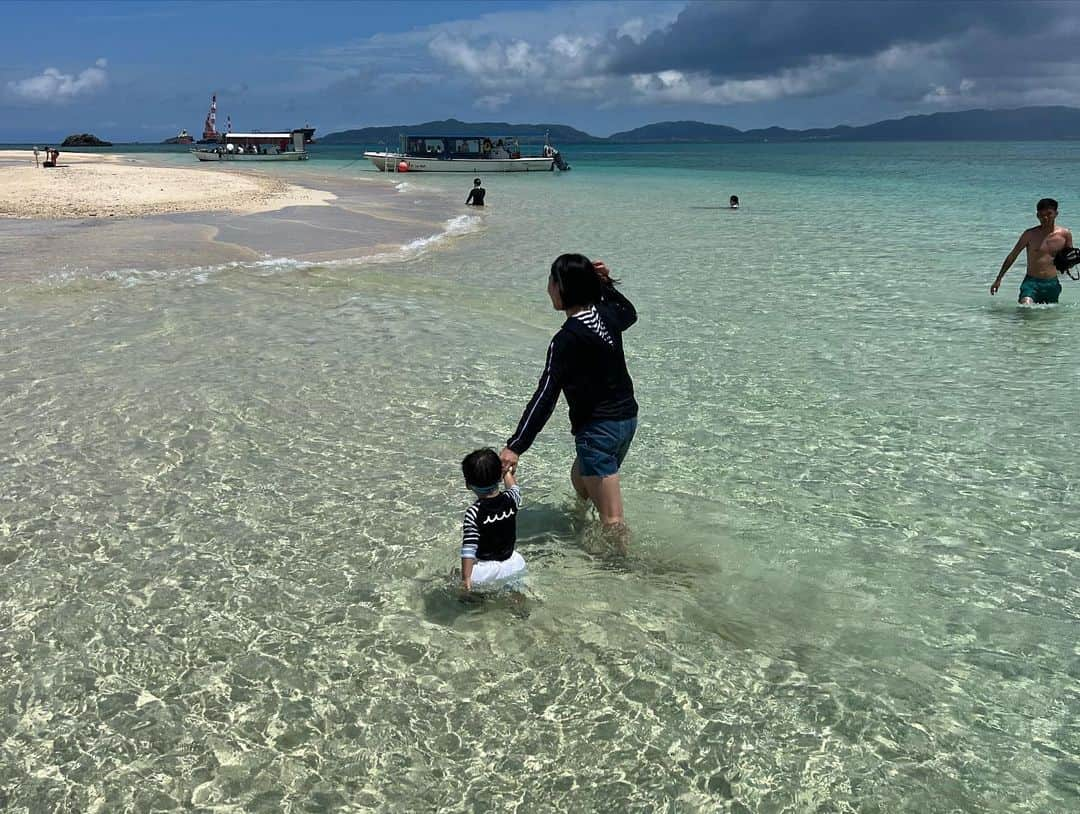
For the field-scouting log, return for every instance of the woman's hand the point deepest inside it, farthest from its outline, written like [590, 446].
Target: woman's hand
[602, 271]
[509, 459]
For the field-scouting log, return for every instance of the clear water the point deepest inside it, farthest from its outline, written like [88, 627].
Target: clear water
[230, 500]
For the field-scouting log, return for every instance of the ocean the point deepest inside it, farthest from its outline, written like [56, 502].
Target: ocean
[231, 496]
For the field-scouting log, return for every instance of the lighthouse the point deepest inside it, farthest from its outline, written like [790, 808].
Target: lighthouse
[210, 133]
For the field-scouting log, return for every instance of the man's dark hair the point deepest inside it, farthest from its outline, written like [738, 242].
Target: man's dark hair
[476, 182]
[1046, 203]
[482, 467]
[576, 279]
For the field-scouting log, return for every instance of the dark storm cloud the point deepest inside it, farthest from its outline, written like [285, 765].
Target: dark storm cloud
[740, 40]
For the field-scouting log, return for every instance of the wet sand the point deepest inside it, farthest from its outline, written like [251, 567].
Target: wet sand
[70, 228]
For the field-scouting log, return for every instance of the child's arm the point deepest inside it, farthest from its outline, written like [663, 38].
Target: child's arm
[512, 488]
[470, 538]
[466, 573]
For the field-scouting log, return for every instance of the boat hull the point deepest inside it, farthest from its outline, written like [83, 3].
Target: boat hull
[388, 162]
[214, 155]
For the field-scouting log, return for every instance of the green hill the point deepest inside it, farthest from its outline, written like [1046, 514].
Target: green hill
[678, 131]
[525, 133]
[1021, 124]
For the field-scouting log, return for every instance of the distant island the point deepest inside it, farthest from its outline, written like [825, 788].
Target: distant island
[1020, 124]
[525, 133]
[85, 140]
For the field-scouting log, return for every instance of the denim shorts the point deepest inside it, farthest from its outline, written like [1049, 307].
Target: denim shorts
[602, 445]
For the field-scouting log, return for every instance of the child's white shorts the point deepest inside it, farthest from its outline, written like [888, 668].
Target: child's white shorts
[489, 575]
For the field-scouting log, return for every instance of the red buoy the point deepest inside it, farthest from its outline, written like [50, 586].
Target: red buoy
[403, 166]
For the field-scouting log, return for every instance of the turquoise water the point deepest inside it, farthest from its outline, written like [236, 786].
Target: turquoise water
[231, 497]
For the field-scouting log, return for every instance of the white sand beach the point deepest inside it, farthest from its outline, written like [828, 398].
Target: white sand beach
[84, 185]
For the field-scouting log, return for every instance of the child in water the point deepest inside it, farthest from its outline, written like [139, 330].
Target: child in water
[489, 531]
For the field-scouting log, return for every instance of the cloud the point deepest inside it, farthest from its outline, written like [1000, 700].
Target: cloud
[823, 76]
[942, 95]
[53, 86]
[493, 102]
[750, 39]
[529, 53]
[890, 55]
[494, 64]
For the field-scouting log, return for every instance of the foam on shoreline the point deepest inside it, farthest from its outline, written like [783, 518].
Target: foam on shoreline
[267, 266]
[289, 226]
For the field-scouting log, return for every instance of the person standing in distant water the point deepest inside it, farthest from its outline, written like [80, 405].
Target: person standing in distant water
[476, 194]
[733, 202]
[585, 361]
[1042, 243]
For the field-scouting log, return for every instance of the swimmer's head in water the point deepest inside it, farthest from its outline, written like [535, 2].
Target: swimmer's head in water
[482, 470]
[476, 182]
[573, 278]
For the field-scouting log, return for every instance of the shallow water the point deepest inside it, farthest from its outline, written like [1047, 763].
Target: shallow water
[231, 497]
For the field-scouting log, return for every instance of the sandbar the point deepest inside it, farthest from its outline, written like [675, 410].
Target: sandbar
[112, 185]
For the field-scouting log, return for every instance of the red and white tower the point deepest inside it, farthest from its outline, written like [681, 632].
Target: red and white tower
[210, 132]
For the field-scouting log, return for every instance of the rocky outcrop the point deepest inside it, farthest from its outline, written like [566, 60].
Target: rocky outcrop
[85, 140]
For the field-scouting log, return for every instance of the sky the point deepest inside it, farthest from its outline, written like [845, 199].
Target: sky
[141, 71]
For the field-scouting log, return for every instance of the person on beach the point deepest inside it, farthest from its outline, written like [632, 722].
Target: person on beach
[585, 361]
[1042, 242]
[476, 194]
[37, 162]
[489, 531]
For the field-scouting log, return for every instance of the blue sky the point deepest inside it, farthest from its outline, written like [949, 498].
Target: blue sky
[139, 71]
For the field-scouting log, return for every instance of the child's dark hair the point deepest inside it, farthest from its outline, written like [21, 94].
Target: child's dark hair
[576, 280]
[1046, 203]
[482, 467]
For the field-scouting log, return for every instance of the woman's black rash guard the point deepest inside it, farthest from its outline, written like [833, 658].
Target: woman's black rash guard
[584, 360]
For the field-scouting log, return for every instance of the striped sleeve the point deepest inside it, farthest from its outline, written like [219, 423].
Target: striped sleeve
[470, 534]
[540, 406]
[515, 494]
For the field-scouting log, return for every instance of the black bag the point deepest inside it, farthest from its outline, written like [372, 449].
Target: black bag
[1066, 259]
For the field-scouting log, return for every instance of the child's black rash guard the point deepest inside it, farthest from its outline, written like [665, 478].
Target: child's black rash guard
[489, 530]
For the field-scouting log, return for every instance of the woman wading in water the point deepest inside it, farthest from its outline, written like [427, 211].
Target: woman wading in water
[585, 361]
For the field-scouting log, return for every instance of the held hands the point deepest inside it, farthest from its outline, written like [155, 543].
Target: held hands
[509, 460]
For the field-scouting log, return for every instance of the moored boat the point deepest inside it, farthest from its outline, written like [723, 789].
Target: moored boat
[290, 146]
[468, 154]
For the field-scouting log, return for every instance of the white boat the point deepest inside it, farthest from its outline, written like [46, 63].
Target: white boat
[289, 146]
[468, 154]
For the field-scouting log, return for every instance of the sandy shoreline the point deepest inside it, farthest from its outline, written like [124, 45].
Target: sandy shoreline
[85, 185]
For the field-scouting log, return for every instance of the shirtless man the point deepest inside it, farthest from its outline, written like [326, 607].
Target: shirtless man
[1042, 243]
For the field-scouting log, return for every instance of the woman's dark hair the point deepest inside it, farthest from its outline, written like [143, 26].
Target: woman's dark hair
[482, 467]
[576, 280]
